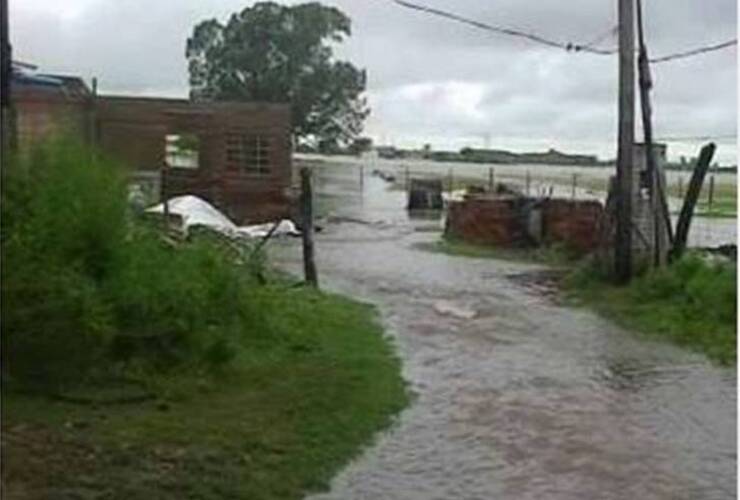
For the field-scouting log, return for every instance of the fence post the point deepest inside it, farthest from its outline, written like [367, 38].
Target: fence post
[526, 183]
[575, 184]
[164, 195]
[407, 177]
[309, 266]
[711, 191]
[490, 179]
[451, 182]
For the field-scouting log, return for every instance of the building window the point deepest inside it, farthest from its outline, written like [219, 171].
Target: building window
[249, 153]
[182, 150]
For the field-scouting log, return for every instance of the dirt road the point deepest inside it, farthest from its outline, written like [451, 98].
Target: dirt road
[516, 396]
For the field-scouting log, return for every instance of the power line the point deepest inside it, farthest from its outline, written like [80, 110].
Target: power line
[697, 138]
[611, 33]
[569, 46]
[505, 31]
[695, 52]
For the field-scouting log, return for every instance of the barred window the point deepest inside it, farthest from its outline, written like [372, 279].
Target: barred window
[249, 153]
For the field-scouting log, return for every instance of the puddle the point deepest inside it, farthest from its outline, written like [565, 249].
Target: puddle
[528, 399]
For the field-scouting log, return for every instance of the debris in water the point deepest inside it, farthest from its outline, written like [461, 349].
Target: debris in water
[446, 308]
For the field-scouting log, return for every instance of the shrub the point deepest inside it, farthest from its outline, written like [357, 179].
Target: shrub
[85, 285]
[692, 302]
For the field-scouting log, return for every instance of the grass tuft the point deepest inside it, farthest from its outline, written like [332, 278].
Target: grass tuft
[693, 303]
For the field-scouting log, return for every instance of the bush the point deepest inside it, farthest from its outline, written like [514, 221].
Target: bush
[85, 285]
[63, 218]
[693, 302]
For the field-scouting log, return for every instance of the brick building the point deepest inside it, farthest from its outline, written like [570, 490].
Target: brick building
[235, 155]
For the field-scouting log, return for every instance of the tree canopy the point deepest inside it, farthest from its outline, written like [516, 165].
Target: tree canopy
[278, 53]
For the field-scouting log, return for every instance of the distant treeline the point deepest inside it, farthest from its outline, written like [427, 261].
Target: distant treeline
[495, 156]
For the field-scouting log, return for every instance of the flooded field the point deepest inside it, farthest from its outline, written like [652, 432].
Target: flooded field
[516, 396]
[591, 183]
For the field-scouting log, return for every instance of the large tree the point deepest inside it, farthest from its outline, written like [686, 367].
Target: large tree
[278, 53]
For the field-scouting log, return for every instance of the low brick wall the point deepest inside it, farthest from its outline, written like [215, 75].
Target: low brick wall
[486, 221]
[504, 220]
[574, 223]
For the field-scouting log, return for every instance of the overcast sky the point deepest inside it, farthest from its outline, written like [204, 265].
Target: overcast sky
[432, 80]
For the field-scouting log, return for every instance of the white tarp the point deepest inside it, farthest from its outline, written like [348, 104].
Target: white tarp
[195, 211]
[285, 227]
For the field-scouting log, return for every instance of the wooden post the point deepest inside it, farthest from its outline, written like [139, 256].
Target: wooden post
[309, 266]
[626, 138]
[575, 184]
[163, 193]
[451, 181]
[526, 183]
[92, 115]
[490, 179]
[692, 195]
[407, 176]
[659, 203]
[710, 195]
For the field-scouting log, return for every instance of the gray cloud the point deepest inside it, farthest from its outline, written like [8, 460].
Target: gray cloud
[431, 80]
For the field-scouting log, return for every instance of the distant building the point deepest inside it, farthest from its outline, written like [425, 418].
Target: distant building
[387, 152]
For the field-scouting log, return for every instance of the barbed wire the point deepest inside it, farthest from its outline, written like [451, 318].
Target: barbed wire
[589, 47]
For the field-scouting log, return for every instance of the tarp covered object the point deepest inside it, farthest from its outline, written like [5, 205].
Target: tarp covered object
[195, 211]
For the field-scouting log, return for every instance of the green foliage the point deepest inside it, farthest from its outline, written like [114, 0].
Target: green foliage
[63, 221]
[84, 284]
[178, 305]
[277, 426]
[310, 376]
[278, 53]
[693, 302]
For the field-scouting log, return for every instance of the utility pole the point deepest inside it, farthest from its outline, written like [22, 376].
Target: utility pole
[6, 71]
[626, 138]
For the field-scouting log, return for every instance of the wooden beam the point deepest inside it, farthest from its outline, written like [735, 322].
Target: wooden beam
[692, 196]
[659, 203]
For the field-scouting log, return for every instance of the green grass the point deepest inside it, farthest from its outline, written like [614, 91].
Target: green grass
[245, 389]
[725, 208]
[279, 423]
[554, 255]
[692, 303]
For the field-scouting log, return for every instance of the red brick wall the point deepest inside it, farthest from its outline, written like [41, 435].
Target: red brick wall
[485, 221]
[42, 114]
[501, 221]
[574, 223]
[134, 130]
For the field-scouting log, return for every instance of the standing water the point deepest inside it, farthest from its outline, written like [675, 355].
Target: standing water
[516, 396]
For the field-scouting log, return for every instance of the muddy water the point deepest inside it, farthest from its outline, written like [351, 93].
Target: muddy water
[526, 399]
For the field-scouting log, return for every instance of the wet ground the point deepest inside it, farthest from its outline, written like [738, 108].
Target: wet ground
[516, 396]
